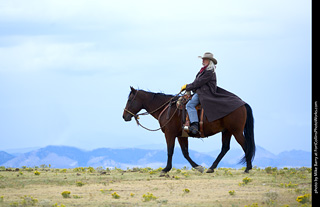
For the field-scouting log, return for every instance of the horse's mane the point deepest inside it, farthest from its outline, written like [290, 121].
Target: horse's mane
[159, 94]
[162, 94]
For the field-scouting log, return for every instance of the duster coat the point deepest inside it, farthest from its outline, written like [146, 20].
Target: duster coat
[215, 101]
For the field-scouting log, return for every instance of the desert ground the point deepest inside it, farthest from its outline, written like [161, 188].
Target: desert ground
[46, 186]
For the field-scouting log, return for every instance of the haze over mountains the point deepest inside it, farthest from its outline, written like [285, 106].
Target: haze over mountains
[70, 157]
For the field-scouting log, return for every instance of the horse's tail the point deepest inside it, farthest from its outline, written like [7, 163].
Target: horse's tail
[249, 136]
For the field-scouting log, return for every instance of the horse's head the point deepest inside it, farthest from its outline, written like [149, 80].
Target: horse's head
[133, 106]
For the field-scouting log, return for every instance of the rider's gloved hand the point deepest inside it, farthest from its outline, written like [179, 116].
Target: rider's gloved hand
[184, 87]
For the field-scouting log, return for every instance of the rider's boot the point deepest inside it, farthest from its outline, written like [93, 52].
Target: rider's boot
[194, 127]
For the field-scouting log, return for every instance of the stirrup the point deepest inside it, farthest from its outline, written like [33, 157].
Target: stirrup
[194, 128]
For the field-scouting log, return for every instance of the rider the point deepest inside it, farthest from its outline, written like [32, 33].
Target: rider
[204, 84]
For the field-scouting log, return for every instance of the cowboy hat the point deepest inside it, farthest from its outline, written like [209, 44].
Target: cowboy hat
[209, 55]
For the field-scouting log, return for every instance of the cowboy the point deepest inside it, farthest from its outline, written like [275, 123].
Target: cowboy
[204, 85]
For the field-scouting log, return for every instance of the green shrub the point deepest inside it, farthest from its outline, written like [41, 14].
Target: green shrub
[79, 183]
[185, 174]
[227, 172]
[63, 170]
[76, 197]
[252, 205]
[246, 180]
[148, 197]
[303, 199]
[14, 204]
[66, 194]
[91, 169]
[150, 170]
[29, 169]
[79, 169]
[186, 190]
[115, 195]
[106, 190]
[288, 185]
[29, 201]
[271, 170]
[26, 201]
[56, 205]
[232, 192]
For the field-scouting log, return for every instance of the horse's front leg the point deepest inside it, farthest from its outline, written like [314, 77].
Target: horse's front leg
[170, 148]
[183, 141]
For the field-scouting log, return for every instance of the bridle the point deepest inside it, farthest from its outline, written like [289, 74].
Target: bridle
[136, 116]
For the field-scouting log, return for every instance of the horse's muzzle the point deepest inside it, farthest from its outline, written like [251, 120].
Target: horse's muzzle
[127, 117]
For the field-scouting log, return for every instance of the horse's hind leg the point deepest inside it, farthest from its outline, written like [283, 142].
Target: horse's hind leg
[183, 141]
[241, 140]
[226, 137]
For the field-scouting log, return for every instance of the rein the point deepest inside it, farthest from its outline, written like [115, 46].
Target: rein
[136, 116]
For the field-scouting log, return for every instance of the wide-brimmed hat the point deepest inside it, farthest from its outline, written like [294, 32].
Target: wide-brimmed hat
[209, 55]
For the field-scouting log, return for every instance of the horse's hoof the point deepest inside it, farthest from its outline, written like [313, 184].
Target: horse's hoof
[164, 174]
[246, 171]
[210, 170]
[199, 168]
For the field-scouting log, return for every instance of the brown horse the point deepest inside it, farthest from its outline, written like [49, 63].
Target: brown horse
[238, 123]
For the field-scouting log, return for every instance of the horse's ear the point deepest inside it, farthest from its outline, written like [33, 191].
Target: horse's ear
[133, 90]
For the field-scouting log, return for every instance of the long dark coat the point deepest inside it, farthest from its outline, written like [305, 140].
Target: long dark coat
[215, 101]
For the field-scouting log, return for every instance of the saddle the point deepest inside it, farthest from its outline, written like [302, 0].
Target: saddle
[181, 104]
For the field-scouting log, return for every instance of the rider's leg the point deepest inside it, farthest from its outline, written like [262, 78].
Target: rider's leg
[193, 115]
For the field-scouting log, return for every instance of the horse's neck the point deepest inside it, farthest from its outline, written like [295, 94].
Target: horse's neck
[156, 105]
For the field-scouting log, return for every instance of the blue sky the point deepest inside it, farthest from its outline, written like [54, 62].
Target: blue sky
[66, 67]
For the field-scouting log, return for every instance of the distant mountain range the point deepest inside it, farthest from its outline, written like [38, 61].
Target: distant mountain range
[70, 157]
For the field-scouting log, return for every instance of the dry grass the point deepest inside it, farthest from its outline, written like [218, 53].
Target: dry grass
[267, 187]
